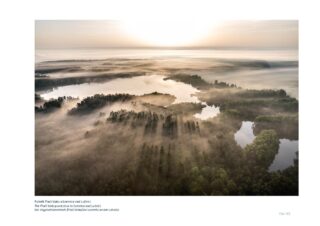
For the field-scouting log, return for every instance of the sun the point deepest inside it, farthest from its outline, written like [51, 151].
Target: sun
[168, 33]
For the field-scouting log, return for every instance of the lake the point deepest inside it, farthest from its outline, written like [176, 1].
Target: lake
[254, 69]
[137, 86]
[286, 152]
[140, 85]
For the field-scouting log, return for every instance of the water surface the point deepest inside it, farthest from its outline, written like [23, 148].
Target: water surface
[137, 86]
[286, 155]
[245, 134]
[254, 69]
[208, 112]
[286, 152]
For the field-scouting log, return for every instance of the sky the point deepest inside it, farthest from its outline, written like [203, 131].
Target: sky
[61, 34]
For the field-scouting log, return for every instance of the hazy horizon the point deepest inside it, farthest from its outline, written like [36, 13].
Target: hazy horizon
[280, 34]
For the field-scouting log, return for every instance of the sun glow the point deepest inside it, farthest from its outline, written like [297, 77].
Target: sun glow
[169, 33]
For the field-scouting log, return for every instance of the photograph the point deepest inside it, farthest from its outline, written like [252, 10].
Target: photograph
[166, 108]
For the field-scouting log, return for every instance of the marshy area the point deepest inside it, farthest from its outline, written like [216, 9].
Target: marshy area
[164, 127]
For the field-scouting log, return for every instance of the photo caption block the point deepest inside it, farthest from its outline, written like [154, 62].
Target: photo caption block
[45, 205]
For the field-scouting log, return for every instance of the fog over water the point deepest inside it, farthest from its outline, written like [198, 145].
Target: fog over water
[177, 125]
[208, 112]
[98, 54]
[137, 86]
[253, 69]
